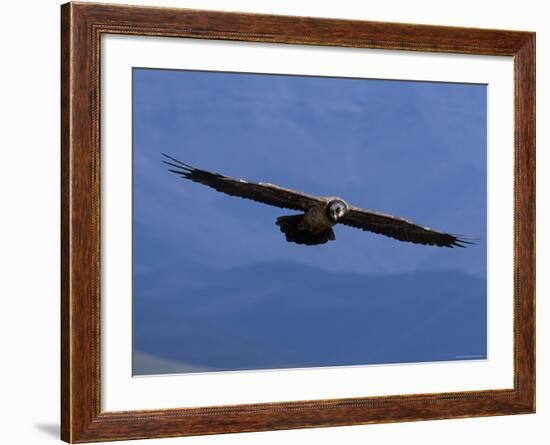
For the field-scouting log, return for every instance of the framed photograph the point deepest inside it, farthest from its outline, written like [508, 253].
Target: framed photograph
[274, 222]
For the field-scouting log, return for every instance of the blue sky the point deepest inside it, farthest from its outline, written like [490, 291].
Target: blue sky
[413, 149]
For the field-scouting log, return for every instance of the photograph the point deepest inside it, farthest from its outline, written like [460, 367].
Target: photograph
[276, 222]
[290, 221]
[282, 219]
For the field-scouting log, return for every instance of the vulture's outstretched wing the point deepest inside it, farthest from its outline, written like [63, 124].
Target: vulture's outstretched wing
[257, 191]
[399, 228]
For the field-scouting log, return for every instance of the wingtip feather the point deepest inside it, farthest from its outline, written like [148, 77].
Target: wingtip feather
[461, 242]
[178, 166]
[180, 163]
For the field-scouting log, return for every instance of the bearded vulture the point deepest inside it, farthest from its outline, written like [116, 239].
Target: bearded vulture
[319, 214]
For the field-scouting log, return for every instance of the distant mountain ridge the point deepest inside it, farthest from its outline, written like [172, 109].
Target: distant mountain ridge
[285, 315]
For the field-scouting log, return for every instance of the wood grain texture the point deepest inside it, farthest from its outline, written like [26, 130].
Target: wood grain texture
[65, 227]
[81, 29]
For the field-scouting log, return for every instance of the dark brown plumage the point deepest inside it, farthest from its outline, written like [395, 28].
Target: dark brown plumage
[320, 214]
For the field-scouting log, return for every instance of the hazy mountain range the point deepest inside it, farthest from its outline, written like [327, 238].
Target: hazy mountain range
[248, 318]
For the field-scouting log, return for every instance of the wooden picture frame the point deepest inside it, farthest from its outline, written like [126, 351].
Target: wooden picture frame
[82, 25]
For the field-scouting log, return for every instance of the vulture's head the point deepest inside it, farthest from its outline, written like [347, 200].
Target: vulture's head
[336, 209]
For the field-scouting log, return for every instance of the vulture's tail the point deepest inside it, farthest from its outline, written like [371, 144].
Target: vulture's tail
[290, 226]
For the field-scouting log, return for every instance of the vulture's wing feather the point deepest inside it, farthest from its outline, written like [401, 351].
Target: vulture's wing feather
[399, 228]
[257, 191]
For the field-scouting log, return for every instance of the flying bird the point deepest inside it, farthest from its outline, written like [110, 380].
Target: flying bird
[318, 214]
